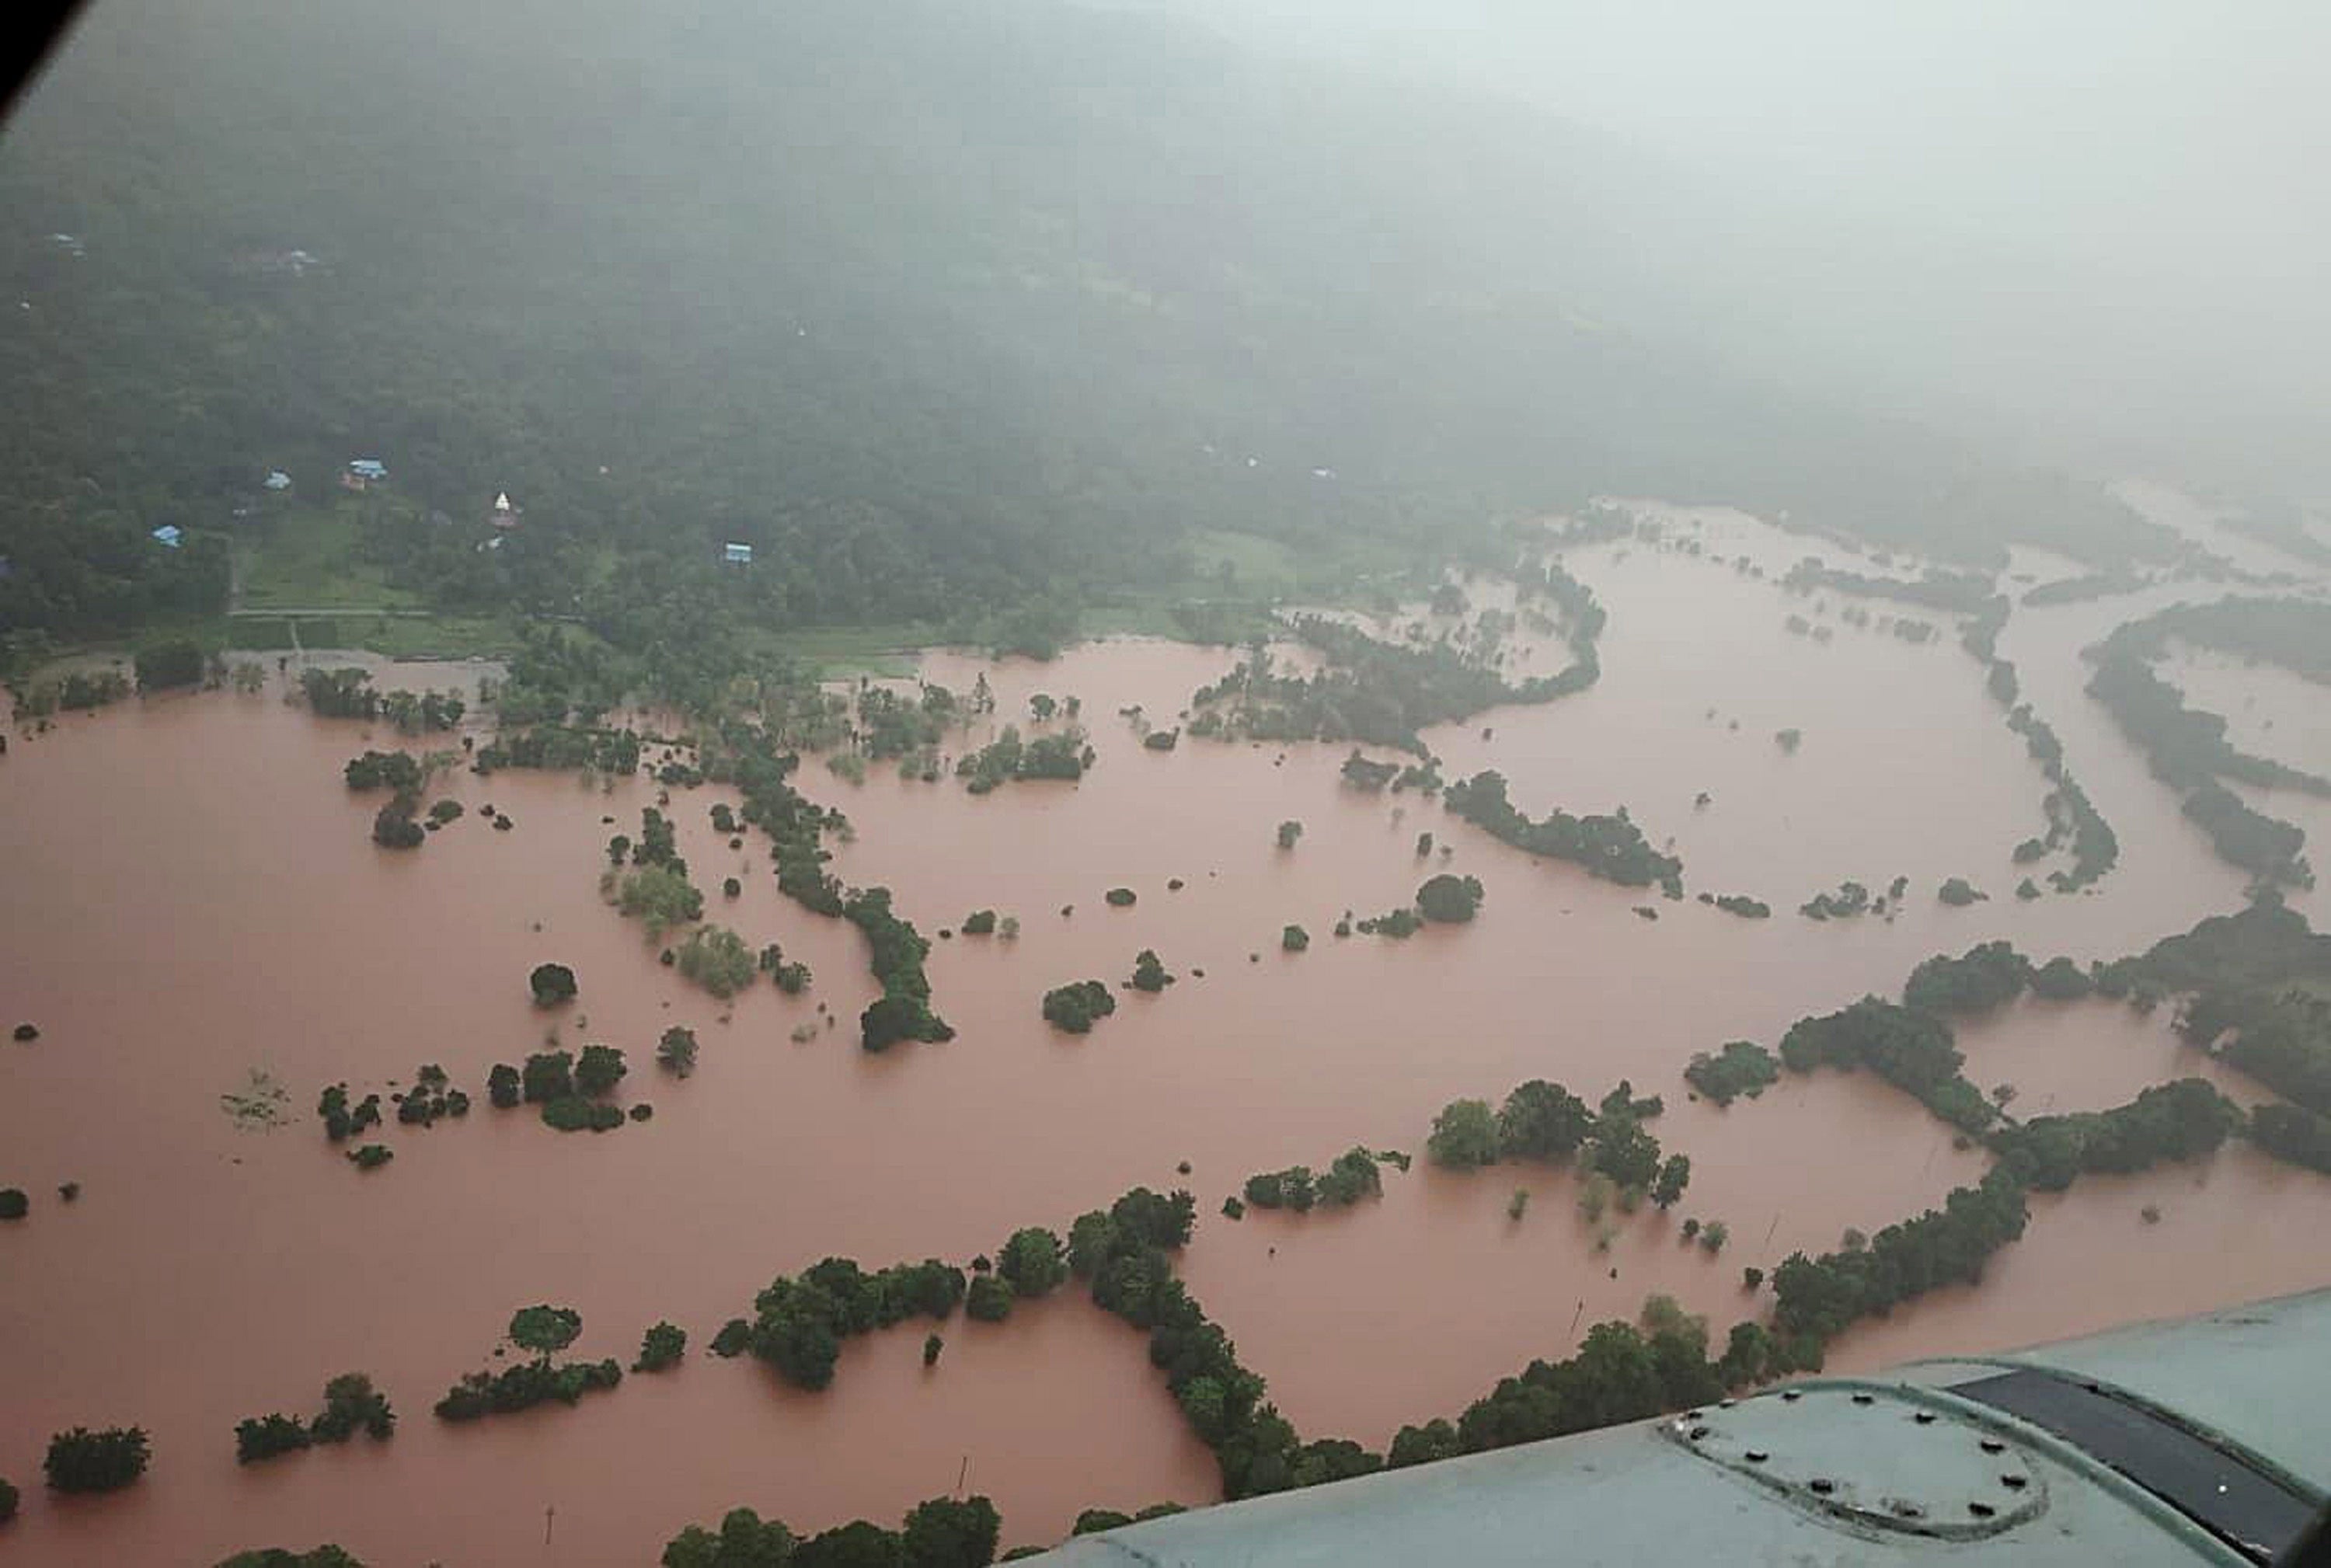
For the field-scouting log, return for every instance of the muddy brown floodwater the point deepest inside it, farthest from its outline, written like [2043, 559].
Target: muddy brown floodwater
[192, 894]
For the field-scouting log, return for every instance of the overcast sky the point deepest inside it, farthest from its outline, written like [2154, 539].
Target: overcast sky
[2162, 163]
[2108, 122]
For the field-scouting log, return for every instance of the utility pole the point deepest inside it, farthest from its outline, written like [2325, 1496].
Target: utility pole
[549, 1514]
[962, 1474]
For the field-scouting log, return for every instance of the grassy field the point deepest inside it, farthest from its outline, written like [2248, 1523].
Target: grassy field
[306, 557]
[310, 557]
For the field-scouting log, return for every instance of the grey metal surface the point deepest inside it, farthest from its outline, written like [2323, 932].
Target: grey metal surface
[1830, 1471]
[2217, 1484]
[2258, 1374]
[1884, 1460]
[1641, 1494]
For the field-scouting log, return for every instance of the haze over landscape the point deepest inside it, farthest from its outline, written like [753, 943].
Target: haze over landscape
[1355, 733]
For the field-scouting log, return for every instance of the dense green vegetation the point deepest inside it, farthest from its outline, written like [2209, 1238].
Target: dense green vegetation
[1818, 1297]
[1741, 1067]
[1984, 977]
[430, 1100]
[896, 950]
[1619, 1373]
[661, 1348]
[81, 1460]
[1399, 924]
[1852, 899]
[2187, 749]
[2073, 820]
[943, 1533]
[2282, 1038]
[1149, 973]
[1910, 1049]
[676, 1051]
[1545, 1122]
[558, 746]
[717, 959]
[1963, 593]
[1353, 1175]
[325, 1556]
[799, 1322]
[661, 898]
[351, 1404]
[1739, 904]
[544, 1330]
[1612, 848]
[551, 984]
[396, 770]
[2294, 633]
[1076, 1007]
[1368, 691]
[1065, 754]
[2301, 1137]
[1449, 899]
[341, 1121]
[2176, 1121]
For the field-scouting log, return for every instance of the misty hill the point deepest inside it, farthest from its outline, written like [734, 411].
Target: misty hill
[935, 305]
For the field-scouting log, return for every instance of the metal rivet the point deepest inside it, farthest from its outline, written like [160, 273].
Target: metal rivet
[2014, 1483]
[1822, 1485]
[1993, 1445]
[1982, 1510]
[1756, 1456]
[1924, 1417]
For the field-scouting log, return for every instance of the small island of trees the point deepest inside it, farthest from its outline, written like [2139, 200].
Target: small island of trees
[1075, 1008]
[106, 1460]
[943, 1533]
[1741, 1067]
[551, 984]
[1351, 1176]
[544, 1330]
[1449, 899]
[1611, 848]
[1150, 973]
[351, 1404]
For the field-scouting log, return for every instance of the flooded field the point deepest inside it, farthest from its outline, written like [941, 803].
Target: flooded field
[193, 895]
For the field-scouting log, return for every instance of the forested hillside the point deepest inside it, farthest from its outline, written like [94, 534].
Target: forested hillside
[939, 307]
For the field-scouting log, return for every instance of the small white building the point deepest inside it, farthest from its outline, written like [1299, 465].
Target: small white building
[736, 555]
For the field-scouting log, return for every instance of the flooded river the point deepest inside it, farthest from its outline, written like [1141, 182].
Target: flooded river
[193, 894]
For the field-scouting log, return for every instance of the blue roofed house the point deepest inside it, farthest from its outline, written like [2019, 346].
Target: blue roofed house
[168, 534]
[364, 472]
[736, 555]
